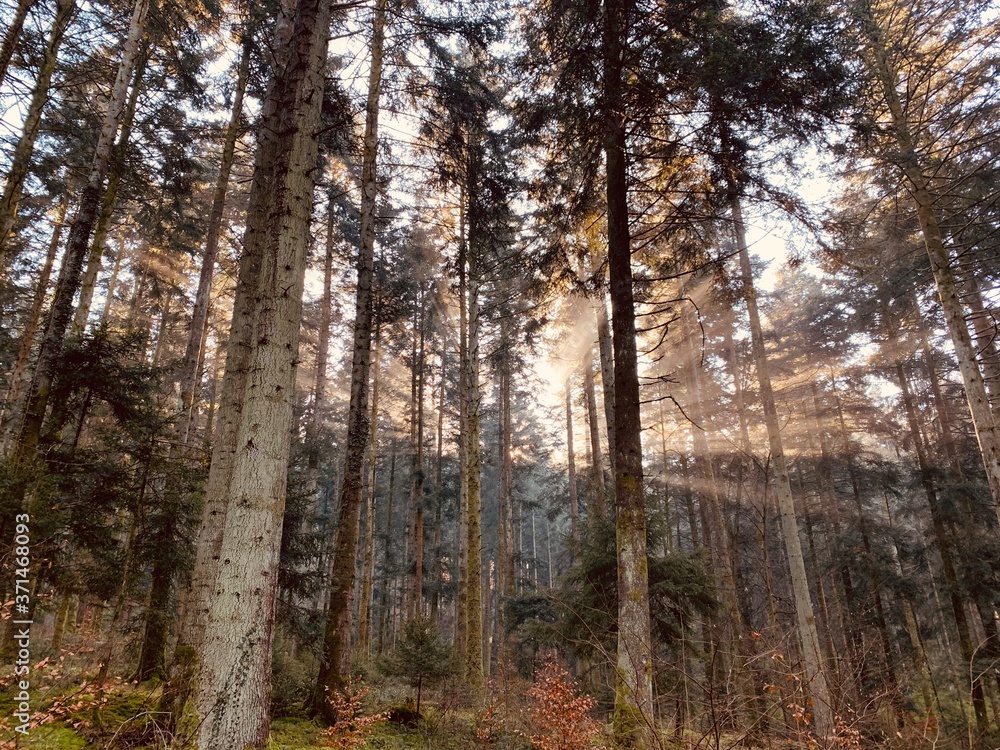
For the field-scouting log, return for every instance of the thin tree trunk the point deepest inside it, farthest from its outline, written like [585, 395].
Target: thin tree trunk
[461, 600]
[368, 572]
[607, 378]
[438, 499]
[77, 244]
[12, 35]
[474, 605]
[417, 463]
[89, 281]
[596, 502]
[193, 352]
[634, 720]
[987, 431]
[944, 546]
[505, 541]
[574, 500]
[337, 636]
[20, 377]
[815, 676]
[21, 159]
[113, 280]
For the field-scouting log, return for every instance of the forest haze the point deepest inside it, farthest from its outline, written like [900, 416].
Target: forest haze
[562, 374]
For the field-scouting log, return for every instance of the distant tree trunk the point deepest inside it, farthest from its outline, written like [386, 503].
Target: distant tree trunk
[77, 244]
[20, 376]
[157, 627]
[574, 500]
[438, 498]
[247, 493]
[986, 335]
[368, 571]
[337, 636]
[634, 713]
[88, 284]
[12, 35]
[505, 540]
[461, 600]
[322, 360]
[939, 525]
[415, 607]
[113, 280]
[387, 556]
[21, 159]
[909, 162]
[596, 501]
[815, 676]
[607, 377]
[474, 604]
[193, 352]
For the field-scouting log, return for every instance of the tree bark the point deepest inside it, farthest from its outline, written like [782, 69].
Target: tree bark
[337, 636]
[815, 676]
[21, 159]
[248, 494]
[597, 497]
[634, 721]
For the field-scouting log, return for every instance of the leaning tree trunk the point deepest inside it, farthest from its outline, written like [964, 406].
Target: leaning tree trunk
[234, 683]
[337, 636]
[12, 36]
[815, 676]
[88, 284]
[77, 244]
[634, 713]
[20, 377]
[193, 353]
[21, 160]
[908, 160]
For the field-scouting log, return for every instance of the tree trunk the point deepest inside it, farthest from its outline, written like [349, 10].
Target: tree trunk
[337, 636]
[77, 244]
[607, 378]
[939, 525]
[89, 281]
[596, 501]
[634, 713]
[415, 608]
[505, 540]
[461, 600]
[233, 694]
[12, 36]
[815, 676]
[193, 353]
[908, 160]
[474, 604]
[20, 377]
[154, 637]
[21, 159]
[113, 280]
[368, 571]
[574, 500]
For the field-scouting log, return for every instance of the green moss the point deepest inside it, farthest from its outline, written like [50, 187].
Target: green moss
[50, 738]
[294, 734]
